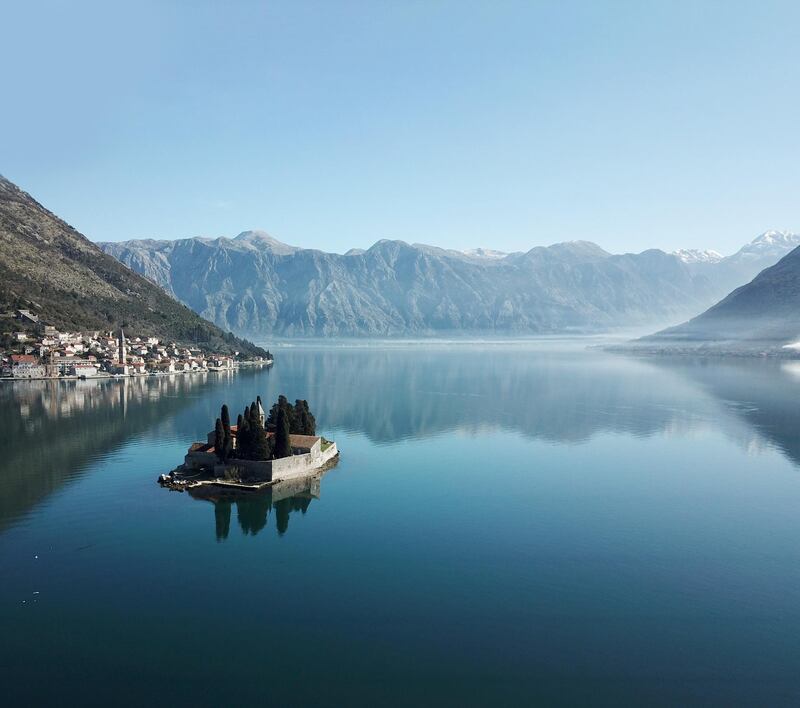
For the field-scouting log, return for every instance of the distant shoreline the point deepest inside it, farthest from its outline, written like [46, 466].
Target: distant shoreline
[157, 374]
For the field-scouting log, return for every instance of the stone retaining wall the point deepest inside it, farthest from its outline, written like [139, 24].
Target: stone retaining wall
[292, 467]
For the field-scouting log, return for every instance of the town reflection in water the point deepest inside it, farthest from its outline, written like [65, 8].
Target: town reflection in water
[58, 431]
[253, 510]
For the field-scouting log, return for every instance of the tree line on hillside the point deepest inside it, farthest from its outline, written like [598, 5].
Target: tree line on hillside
[252, 441]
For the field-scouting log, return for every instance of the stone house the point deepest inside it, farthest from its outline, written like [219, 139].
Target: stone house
[26, 366]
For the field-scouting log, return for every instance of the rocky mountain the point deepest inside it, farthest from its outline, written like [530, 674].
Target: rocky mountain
[764, 313]
[259, 286]
[730, 272]
[48, 267]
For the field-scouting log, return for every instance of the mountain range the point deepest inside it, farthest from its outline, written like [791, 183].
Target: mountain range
[46, 266]
[764, 314]
[258, 286]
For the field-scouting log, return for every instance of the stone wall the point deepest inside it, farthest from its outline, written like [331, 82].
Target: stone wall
[292, 467]
[196, 460]
[28, 372]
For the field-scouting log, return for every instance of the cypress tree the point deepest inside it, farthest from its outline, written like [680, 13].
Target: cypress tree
[244, 438]
[227, 442]
[272, 418]
[299, 422]
[289, 410]
[254, 419]
[282, 405]
[219, 438]
[304, 423]
[283, 447]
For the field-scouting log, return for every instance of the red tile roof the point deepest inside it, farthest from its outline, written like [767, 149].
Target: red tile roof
[303, 440]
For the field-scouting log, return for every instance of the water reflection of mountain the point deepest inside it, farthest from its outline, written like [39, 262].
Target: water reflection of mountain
[559, 396]
[56, 428]
[253, 510]
[765, 394]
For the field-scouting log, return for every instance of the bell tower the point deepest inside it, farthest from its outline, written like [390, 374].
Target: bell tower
[121, 355]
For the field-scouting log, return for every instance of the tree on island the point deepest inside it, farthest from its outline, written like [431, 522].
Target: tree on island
[299, 416]
[219, 438]
[281, 405]
[243, 434]
[252, 442]
[283, 447]
[304, 422]
[261, 445]
[227, 440]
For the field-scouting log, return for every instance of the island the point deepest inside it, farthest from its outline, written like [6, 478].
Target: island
[259, 451]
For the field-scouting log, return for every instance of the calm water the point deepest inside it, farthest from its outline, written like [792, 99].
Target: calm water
[506, 524]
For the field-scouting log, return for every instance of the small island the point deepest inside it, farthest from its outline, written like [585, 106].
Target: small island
[258, 452]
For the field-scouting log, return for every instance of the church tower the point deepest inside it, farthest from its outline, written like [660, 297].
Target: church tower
[121, 355]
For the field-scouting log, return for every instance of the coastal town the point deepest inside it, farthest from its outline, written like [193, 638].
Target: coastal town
[34, 350]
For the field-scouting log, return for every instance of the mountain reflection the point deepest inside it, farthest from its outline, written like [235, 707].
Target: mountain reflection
[57, 428]
[253, 510]
[763, 394]
[559, 396]
[55, 431]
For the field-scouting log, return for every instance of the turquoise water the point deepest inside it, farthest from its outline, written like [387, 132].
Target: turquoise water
[508, 524]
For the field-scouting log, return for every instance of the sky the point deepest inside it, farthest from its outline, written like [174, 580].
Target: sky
[334, 124]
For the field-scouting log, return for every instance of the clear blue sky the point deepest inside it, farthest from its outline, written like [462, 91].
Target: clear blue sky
[333, 124]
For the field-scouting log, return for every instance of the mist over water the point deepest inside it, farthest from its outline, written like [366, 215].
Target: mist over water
[509, 522]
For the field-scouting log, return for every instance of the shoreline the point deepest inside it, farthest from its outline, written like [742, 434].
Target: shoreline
[175, 481]
[106, 376]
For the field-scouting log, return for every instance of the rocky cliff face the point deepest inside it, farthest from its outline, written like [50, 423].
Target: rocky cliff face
[256, 285]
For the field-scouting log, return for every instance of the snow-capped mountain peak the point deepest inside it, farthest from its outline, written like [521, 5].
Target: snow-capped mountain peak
[484, 253]
[694, 255]
[769, 243]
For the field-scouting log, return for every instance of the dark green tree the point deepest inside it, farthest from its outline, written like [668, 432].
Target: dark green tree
[244, 438]
[304, 422]
[261, 444]
[219, 438]
[283, 446]
[227, 442]
[281, 405]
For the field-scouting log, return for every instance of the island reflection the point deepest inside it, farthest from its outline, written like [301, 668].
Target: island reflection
[253, 509]
[56, 431]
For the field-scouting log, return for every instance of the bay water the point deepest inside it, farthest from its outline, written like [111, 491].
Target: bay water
[509, 523]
